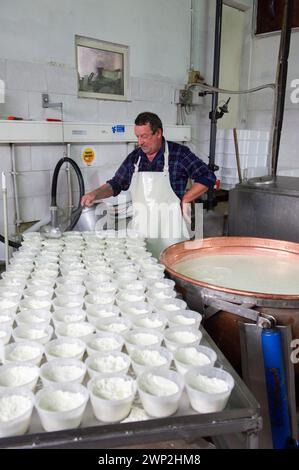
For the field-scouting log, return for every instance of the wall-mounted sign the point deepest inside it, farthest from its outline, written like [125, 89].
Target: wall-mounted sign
[118, 129]
[88, 155]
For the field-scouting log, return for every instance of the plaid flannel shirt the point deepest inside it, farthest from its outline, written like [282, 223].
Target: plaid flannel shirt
[183, 164]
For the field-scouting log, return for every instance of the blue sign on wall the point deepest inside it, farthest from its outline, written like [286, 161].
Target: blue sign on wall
[118, 129]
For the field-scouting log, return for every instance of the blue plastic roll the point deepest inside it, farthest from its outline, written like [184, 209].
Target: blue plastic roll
[276, 388]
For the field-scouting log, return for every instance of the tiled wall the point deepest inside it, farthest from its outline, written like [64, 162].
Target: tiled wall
[38, 56]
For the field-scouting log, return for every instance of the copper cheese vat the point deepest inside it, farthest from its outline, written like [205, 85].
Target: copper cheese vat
[223, 326]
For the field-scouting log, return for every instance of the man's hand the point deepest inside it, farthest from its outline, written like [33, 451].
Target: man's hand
[88, 199]
[102, 192]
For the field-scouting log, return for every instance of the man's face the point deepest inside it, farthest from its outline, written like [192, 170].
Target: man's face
[148, 142]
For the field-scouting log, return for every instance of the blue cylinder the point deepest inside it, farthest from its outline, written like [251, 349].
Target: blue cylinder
[276, 387]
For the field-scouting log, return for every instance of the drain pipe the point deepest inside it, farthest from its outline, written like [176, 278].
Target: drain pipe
[213, 114]
[68, 175]
[281, 81]
[5, 219]
[14, 174]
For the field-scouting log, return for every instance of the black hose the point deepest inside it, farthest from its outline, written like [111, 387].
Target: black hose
[10, 242]
[77, 212]
[55, 179]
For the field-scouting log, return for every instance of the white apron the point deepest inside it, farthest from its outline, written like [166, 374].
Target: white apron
[157, 211]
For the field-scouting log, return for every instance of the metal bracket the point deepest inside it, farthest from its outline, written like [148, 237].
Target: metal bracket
[46, 102]
[213, 305]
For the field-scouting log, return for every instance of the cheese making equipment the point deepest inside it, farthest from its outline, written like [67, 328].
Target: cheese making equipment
[236, 318]
[265, 210]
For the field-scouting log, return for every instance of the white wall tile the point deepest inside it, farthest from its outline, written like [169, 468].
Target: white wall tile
[78, 109]
[26, 76]
[3, 70]
[16, 103]
[23, 157]
[10, 213]
[45, 157]
[112, 154]
[5, 160]
[41, 207]
[27, 210]
[34, 183]
[93, 178]
[61, 79]
[135, 83]
[112, 112]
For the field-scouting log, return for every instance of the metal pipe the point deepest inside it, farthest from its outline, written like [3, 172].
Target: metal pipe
[281, 81]
[14, 174]
[5, 219]
[68, 175]
[237, 151]
[216, 73]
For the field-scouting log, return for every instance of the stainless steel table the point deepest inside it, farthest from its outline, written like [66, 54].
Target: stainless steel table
[241, 417]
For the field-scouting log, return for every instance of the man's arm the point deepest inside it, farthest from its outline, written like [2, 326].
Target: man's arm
[120, 182]
[196, 190]
[102, 192]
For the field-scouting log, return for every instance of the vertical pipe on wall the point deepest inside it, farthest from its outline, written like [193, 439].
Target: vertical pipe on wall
[281, 82]
[14, 174]
[5, 219]
[69, 180]
[216, 74]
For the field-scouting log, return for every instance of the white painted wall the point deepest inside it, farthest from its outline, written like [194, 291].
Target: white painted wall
[230, 62]
[263, 70]
[258, 66]
[38, 55]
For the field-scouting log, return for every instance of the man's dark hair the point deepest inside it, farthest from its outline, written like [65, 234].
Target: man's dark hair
[149, 118]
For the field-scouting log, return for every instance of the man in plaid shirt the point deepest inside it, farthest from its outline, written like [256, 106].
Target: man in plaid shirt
[183, 164]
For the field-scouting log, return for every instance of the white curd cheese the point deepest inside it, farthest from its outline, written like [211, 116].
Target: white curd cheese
[193, 357]
[65, 373]
[183, 337]
[66, 350]
[149, 357]
[23, 353]
[209, 384]
[17, 376]
[77, 329]
[116, 327]
[13, 406]
[109, 363]
[159, 386]
[104, 344]
[150, 323]
[146, 339]
[59, 400]
[113, 388]
[182, 320]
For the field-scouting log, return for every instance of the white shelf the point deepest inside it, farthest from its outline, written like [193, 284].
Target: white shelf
[76, 132]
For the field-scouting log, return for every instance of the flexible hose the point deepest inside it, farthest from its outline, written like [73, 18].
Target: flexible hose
[10, 242]
[78, 210]
[55, 179]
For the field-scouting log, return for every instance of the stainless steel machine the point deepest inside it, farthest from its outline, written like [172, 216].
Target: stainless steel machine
[265, 210]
